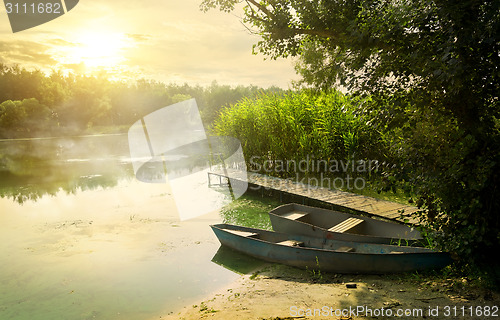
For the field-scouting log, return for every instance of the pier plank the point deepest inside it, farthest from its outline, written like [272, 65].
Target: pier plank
[363, 204]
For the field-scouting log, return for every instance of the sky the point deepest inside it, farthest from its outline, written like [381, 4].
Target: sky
[171, 41]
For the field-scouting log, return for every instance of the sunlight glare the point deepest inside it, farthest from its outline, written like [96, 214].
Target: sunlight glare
[99, 49]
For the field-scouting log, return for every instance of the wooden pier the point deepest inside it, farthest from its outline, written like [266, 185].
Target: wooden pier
[328, 198]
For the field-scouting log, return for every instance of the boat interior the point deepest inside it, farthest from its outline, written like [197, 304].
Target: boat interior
[317, 243]
[333, 224]
[338, 222]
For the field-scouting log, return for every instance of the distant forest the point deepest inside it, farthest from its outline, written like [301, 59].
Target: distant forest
[34, 104]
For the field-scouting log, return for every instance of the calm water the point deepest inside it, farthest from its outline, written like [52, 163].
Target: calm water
[80, 238]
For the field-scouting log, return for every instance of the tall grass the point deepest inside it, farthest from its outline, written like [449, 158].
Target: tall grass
[300, 125]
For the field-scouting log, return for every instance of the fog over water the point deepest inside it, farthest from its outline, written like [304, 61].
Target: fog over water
[81, 238]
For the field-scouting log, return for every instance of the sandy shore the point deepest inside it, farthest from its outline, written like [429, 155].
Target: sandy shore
[280, 292]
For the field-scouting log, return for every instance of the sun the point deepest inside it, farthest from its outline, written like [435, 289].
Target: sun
[98, 50]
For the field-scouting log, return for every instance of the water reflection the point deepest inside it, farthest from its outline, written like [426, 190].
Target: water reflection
[32, 168]
[250, 211]
[236, 261]
[85, 240]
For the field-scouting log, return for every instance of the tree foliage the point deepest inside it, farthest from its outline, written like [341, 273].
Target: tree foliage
[33, 104]
[431, 70]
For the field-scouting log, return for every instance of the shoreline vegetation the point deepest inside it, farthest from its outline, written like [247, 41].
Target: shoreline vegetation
[34, 104]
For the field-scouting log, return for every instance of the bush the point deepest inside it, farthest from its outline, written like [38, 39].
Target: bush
[300, 125]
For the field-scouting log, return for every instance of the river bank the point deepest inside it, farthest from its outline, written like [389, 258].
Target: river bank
[280, 292]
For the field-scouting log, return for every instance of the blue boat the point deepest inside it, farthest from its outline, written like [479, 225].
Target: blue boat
[326, 254]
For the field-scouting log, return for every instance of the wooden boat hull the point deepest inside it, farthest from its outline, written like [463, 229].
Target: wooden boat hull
[327, 254]
[316, 222]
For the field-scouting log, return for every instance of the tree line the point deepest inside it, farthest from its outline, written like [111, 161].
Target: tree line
[34, 104]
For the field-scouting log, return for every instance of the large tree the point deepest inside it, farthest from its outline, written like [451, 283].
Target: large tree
[432, 69]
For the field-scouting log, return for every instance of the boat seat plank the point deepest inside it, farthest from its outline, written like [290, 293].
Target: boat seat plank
[294, 215]
[244, 233]
[345, 249]
[292, 243]
[346, 225]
